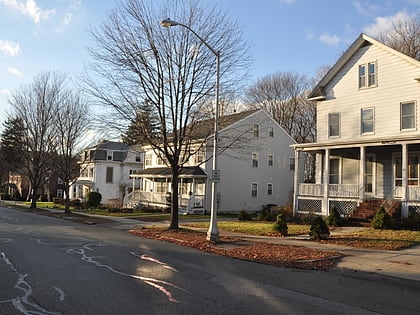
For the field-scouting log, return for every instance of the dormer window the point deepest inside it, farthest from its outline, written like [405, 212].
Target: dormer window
[367, 75]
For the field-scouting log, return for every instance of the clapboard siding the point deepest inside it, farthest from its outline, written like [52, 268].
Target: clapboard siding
[396, 84]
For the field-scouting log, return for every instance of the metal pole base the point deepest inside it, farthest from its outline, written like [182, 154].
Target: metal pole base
[213, 238]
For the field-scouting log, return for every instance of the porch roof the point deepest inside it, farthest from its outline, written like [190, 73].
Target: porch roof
[187, 171]
[374, 142]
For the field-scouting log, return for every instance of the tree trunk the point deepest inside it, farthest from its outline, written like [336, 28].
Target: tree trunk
[174, 201]
[33, 198]
[66, 198]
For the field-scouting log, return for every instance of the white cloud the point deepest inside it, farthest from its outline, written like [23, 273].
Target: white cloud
[68, 15]
[5, 92]
[330, 40]
[14, 71]
[29, 8]
[384, 24]
[9, 48]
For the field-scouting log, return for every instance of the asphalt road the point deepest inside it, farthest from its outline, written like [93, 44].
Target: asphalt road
[54, 266]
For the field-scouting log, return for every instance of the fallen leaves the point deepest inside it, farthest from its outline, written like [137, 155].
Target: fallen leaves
[298, 257]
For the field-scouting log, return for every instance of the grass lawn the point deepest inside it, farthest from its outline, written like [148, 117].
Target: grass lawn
[380, 239]
[254, 228]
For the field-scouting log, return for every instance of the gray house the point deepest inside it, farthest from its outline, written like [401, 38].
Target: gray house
[368, 133]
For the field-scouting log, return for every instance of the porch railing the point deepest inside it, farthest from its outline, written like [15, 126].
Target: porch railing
[413, 193]
[136, 197]
[344, 190]
[310, 189]
[334, 190]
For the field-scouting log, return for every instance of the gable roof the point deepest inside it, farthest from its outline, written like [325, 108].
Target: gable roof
[205, 128]
[362, 41]
[111, 145]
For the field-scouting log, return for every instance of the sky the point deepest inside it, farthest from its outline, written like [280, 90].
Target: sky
[284, 35]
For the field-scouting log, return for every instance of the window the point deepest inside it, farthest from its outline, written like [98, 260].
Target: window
[271, 131]
[109, 174]
[334, 124]
[160, 161]
[270, 160]
[362, 76]
[369, 79]
[59, 193]
[138, 157]
[367, 125]
[148, 159]
[408, 116]
[412, 170]
[199, 156]
[269, 189]
[292, 163]
[254, 190]
[334, 171]
[371, 74]
[256, 130]
[254, 159]
[59, 181]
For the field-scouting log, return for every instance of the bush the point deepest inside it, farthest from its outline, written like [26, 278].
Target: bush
[57, 200]
[94, 199]
[76, 203]
[319, 229]
[244, 216]
[382, 220]
[334, 219]
[266, 214]
[412, 222]
[281, 225]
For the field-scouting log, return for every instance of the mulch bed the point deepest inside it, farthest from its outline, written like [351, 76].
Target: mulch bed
[261, 252]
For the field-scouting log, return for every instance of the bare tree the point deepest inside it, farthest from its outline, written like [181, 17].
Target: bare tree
[165, 74]
[72, 122]
[35, 104]
[404, 37]
[284, 96]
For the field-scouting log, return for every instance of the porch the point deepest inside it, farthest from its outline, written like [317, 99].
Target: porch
[346, 175]
[155, 189]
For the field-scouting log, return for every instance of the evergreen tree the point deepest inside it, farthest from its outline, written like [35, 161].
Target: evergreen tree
[11, 145]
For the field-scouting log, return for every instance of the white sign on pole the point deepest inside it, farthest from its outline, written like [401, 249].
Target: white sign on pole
[215, 177]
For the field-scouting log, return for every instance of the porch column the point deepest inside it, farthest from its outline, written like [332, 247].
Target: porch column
[326, 178]
[362, 171]
[404, 166]
[296, 183]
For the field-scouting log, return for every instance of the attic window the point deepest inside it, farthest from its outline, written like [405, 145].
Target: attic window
[368, 75]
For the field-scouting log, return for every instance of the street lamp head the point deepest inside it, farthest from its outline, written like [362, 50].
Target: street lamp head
[168, 23]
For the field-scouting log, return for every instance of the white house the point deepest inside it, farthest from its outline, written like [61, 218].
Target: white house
[255, 160]
[105, 168]
[368, 133]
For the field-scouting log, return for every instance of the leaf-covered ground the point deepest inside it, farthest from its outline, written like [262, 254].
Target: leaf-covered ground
[273, 254]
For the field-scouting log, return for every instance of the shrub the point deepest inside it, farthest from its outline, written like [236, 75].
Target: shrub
[281, 225]
[57, 200]
[382, 220]
[334, 219]
[412, 222]
[94, 199]
[266, 214]
[244, 216]
[319, 229]
[76, 203]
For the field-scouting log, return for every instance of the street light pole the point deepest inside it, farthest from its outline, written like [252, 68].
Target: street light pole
[213, 232]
